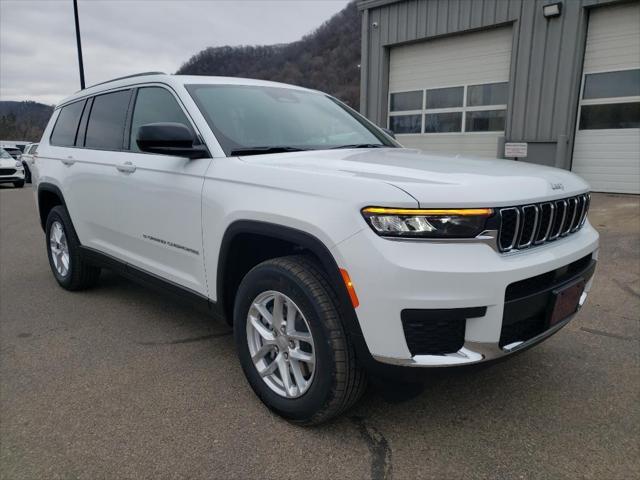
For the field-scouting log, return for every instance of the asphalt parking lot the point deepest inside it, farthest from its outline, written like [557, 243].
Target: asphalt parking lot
[121, 382]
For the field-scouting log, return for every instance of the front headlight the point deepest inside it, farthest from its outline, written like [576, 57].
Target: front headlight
[427, 223]
[18, 165]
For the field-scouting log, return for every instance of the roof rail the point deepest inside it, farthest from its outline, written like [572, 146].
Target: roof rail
[122, 78]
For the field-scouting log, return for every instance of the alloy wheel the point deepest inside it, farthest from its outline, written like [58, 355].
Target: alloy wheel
[59, 248]
[281, 344]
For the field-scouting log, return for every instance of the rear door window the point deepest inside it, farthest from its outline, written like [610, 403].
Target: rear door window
[106, 125]
[66, 127]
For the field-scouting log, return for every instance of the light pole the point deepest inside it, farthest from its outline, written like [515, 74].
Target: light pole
[80, 63]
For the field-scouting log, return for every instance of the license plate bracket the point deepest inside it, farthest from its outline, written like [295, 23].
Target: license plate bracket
[565, 301]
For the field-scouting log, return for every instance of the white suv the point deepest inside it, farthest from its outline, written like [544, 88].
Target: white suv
[11, 169]
[334, 252]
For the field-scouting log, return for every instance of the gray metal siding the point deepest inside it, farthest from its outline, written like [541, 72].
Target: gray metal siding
[546, 61]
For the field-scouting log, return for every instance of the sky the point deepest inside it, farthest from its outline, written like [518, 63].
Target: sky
[38, 59]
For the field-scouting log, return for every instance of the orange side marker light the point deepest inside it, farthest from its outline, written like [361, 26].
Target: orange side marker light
[350, 288]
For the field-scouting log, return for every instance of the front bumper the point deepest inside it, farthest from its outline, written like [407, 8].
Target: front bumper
[14, 177]
[477, 352]
[391, 276]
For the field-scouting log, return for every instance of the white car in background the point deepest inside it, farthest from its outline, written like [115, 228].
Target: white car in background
[27, 159]
[11, 169]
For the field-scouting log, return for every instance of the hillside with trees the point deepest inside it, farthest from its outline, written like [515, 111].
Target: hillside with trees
[327, 59]
[23, 120]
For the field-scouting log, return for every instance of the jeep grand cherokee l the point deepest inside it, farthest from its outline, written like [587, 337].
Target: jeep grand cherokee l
[334, 252]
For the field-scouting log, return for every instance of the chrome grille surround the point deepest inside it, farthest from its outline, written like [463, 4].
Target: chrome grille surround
[529, 225]
[540, 223]
[546, 222]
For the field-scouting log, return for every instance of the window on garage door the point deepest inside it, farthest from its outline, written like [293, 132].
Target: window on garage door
[610, 100]
[450, 109]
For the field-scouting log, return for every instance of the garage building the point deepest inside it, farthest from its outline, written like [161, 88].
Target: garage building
[471, 76]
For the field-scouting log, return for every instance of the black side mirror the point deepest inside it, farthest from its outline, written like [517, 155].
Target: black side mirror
[169, 139]
[389, 132]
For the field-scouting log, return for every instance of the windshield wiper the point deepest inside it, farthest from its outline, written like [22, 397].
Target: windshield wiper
[360, 145]
[263, 150]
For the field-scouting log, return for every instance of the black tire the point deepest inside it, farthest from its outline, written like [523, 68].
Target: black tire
[338, 380]
[27, 173]
[19, 184]
[80, 274]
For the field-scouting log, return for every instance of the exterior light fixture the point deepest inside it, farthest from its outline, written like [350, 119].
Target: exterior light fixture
[552, 10]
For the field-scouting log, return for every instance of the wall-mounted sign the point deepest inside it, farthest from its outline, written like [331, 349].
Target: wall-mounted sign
[515, 150]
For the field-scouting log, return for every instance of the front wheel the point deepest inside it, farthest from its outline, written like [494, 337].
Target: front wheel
[292, 346]
[18, 184]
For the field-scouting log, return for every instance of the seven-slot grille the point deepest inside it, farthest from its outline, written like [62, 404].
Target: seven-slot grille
[531, 225]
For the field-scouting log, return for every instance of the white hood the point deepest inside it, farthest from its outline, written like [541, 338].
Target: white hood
[438, 180]
[7, 163]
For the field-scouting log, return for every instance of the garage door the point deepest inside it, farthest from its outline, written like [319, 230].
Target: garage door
[607, 143]
[450, 94]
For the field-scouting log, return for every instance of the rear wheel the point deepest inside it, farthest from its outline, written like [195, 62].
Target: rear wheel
[292, 346]
[63, 249]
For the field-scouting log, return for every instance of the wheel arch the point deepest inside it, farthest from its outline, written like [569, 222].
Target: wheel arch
[305, 242]
[49, 196]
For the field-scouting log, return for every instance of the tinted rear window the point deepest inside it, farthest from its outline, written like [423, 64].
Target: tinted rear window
[105, 129]
[64, 132]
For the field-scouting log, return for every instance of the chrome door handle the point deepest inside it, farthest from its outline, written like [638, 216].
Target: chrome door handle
[126, 167]
[68, 161]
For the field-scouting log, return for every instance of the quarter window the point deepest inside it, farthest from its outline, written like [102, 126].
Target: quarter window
[153, 105]
[458, 109]
[105, 128]
[66, 127]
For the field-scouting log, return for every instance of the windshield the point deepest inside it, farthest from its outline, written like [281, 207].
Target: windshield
[4, 154]
[250, 119]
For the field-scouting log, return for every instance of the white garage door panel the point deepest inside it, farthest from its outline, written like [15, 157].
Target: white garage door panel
[473, 58]
[462, 60]
[610, 159]
[480, 145]
[613, 41]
